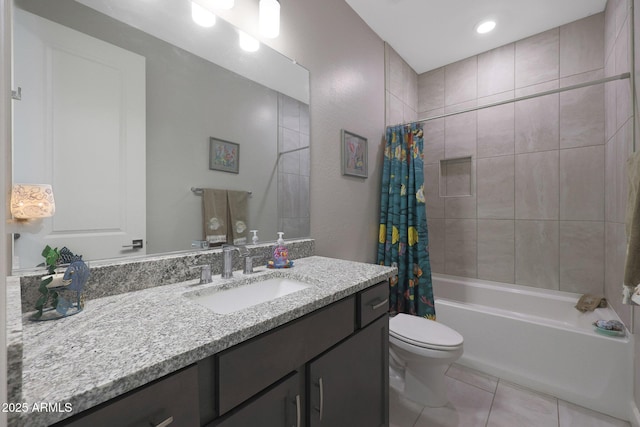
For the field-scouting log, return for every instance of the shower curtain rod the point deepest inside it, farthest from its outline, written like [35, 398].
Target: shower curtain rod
[522, 98]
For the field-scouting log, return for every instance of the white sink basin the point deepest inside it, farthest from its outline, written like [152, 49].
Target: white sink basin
[244, 296]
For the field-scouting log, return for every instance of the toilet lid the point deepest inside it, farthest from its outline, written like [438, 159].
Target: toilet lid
[424, 332]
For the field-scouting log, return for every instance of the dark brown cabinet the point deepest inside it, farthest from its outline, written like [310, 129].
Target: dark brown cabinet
[170, 401]
[348, 385]
[281, 405]
[327, 368]
[342, 378]
[247, 368]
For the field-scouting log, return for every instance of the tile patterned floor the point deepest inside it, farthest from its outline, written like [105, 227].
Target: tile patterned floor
[480, 400]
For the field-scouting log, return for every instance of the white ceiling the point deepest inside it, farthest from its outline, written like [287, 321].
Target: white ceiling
[428, 34]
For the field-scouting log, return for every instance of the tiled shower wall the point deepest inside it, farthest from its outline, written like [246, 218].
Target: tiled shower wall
[618, 137]
[550, 174]
[401, 84]
[293, 168]
[536, 216]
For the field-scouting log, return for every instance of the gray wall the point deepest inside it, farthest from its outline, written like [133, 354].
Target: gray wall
[345, 59]
[188, 101]
[346, 62]
[536, 216]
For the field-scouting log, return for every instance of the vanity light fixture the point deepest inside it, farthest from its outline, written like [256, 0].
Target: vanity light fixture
[269, 20]
[202, 16]
[248, 43]
[486, 26]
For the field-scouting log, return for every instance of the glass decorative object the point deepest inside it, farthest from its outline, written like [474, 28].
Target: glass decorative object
[65, 292]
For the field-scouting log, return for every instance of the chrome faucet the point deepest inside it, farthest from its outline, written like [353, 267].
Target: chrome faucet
[205, 273]
[227, 252]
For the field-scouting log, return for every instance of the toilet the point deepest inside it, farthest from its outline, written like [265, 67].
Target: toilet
[420, 352]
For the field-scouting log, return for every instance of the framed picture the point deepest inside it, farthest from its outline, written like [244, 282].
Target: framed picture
[354, 155]
[224, 155]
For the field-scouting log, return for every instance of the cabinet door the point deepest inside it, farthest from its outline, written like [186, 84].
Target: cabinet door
[282, 405]
[250, 367]
[349, 385]
[172, 400]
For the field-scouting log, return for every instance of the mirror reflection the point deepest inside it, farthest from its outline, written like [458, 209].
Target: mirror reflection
[117, 113]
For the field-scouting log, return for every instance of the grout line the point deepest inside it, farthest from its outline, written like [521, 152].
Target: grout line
[559, 177]
[474, 182]
[486, 423]
[475, 386]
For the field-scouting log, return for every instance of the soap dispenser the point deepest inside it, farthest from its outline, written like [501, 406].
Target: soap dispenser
[280, 254]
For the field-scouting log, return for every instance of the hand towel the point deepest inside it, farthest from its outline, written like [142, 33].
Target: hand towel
[214, 215]
[632, 264]
[238, 208]
[589, 302]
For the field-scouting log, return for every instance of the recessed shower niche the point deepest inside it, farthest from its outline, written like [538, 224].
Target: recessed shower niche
[456, 177]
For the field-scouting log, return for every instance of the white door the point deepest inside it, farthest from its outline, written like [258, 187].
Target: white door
[80, 126]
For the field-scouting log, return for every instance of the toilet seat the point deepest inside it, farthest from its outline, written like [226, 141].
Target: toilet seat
[417, 332]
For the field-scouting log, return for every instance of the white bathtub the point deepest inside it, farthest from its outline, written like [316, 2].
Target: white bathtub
[536, 338]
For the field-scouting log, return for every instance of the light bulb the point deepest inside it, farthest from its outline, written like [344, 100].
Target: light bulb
[202, 16]
[269, 18]
[248, 43]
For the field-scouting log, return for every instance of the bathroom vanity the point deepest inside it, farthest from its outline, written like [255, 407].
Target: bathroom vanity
[314, 357]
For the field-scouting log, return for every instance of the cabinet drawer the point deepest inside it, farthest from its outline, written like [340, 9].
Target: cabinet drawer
[373, 303]
[172, 397]
[246, 369]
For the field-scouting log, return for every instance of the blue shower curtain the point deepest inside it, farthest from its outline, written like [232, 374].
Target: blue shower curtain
[403, 237]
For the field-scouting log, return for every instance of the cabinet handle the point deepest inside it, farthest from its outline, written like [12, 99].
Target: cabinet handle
[298, 411]
[321, 408]
[164, 423]
[135, 244]
[380, 304]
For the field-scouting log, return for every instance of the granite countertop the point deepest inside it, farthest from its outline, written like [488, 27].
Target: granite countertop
[121, 342]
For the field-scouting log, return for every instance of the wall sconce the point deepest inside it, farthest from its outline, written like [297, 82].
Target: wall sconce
[29, 204]
[269, 20]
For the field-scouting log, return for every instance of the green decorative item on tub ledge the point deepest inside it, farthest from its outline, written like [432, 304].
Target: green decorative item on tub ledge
[71, 282]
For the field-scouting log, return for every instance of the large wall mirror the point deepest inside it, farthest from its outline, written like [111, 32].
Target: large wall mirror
[119, 101]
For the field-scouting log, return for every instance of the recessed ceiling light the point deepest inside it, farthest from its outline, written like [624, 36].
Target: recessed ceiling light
[485, 26]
